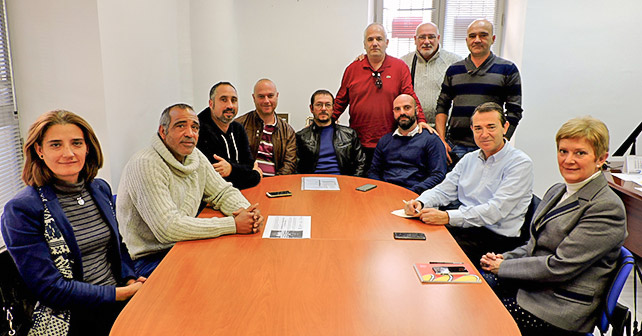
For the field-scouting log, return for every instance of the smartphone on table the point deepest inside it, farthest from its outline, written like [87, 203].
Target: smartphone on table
[449, 269]
[283, 193]
[366, 187]
[409, 235]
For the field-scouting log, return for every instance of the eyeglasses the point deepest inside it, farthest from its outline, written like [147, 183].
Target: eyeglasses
[426, 37]
[377, 77]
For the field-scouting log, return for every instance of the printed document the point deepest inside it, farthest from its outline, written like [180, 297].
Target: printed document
[319, 183]
[288, 227]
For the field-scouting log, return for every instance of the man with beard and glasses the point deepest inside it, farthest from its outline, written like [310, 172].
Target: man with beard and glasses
[413, 160]
[325, 147]
[428, 64]
[224, 141]
[162, 188]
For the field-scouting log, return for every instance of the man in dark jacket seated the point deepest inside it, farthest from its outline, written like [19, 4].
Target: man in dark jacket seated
[224, 141]
[325, 147]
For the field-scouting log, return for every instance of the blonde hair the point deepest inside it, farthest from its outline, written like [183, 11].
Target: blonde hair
[35, 172]
[589, 128]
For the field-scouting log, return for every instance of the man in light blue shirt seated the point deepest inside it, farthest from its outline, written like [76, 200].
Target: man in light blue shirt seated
[494, 185]
[405, 157]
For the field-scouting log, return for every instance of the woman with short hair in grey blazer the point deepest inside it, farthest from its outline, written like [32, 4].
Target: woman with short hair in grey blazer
[556, 282]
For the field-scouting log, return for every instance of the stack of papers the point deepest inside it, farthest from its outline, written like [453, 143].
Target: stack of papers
[637, 178]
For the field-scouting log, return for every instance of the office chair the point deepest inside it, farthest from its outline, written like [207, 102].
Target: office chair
[614, 313]
[525, 231]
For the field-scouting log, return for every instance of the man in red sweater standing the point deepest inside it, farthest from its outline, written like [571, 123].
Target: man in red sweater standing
[369, 86]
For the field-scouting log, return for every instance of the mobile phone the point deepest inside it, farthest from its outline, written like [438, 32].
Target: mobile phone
[366, 187]
[449, 269]
[409, 235]
[283, 193]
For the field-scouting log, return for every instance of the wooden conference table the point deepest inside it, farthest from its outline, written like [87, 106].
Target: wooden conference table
[350, 278]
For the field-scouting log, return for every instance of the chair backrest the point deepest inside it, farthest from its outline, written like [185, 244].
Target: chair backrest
[624, 266]
[525, 231]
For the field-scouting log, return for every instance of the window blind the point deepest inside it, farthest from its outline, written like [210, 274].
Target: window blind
[10, 142]
[458, 15]
[401, 17]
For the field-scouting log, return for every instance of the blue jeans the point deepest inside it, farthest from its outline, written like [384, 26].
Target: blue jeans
[146, 265]
[460, 150]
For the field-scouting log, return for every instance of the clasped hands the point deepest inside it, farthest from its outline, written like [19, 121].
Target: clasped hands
[427, 215]
[491, 261]
[248, 220]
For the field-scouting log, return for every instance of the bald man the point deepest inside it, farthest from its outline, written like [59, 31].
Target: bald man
[272, 140]
[428, 64]
[369, 86]
[481, 77]
[413, 160]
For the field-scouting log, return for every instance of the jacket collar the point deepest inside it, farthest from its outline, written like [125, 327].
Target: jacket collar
[552, 209]
[316, 128]
[257, 119]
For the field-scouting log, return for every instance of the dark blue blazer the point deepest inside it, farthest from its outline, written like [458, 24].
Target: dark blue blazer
[23, 232]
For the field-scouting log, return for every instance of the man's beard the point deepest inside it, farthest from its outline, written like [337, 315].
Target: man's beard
[225, 119]
[404, 123]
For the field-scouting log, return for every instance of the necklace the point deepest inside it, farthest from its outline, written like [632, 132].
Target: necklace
[80, 200]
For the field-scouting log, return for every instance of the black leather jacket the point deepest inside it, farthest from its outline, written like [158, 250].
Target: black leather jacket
[347, 147]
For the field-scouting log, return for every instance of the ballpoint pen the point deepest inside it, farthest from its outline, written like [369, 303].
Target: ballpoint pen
[406, 202]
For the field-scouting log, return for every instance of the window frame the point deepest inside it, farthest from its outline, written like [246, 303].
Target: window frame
[11, 144]
[438, 17]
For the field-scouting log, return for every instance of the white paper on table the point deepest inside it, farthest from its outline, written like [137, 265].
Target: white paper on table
[637, 178]
[319, 183]
[288, 227]
[402, 213]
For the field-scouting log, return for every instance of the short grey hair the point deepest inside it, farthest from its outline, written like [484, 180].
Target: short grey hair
[165, 118]
[365, 32]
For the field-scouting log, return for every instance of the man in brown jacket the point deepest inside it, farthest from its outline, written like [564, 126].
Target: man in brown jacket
[272, 140]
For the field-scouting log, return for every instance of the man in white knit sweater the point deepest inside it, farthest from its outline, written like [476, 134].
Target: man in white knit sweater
[162, 187]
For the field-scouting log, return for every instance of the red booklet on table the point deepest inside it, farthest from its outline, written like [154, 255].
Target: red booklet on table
[445, 273]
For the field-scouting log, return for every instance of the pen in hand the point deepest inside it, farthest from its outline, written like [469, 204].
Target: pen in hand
[408, 202]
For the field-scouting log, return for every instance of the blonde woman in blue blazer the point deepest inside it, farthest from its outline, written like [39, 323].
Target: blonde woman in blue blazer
[556, 282]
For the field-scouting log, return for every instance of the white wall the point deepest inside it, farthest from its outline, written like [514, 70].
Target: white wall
[579, 59]
[57, 62]
[301, 45]
[119, 63]
[145, 52]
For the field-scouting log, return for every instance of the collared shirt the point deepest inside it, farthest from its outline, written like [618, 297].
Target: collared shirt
[370, 106]
[428, 78]
[412, 133]
[494, 192]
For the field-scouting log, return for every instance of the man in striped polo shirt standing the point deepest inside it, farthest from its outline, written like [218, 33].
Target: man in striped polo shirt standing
[272, 140]
[479, 78]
